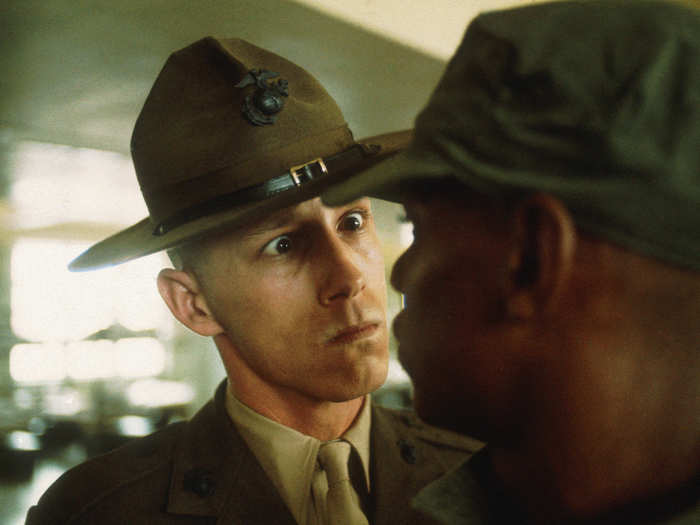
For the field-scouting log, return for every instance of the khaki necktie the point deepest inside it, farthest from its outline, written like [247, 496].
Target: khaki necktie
[342, 505]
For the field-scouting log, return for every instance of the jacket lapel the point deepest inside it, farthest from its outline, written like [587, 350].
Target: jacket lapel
[216, 475]
[253, 499]
[402, 464]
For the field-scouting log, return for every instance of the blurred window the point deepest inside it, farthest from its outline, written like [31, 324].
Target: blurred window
[49, 303]
[79, 326]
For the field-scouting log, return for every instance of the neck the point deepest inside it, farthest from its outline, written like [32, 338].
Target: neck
[547, 495]
[613, 390]
[323, 420]
[615, 434]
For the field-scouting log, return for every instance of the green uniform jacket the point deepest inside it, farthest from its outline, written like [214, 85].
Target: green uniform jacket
[201, 471]
[461, 498]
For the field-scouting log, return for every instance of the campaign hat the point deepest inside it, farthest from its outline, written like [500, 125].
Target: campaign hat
[229, 133]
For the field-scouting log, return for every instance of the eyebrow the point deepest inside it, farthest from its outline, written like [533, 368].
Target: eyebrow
[278, 221]
[284, 218]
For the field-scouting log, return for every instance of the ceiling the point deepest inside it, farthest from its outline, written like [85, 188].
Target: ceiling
[77, 72]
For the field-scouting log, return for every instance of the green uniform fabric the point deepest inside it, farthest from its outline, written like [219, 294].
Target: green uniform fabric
[202, 472]
[466, 496]
[596, 102]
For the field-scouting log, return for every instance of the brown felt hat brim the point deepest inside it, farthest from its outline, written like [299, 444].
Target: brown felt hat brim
[139, 240]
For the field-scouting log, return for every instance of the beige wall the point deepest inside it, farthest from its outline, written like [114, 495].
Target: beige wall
[432, 27]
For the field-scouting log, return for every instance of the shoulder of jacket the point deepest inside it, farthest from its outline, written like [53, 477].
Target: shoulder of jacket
[98, 478]
[434, 436]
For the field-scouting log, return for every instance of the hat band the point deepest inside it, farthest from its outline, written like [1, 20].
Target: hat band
[293, 178]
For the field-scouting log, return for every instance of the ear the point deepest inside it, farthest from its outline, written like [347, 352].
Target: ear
[542, 258]
[184, 297]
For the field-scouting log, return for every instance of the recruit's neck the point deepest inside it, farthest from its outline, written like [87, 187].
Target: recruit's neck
[596, 442]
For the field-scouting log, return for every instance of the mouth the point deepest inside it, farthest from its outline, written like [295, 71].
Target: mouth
[396, 324]
[354, 333]
[403, 353]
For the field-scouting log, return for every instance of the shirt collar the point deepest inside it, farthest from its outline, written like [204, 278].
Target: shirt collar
[358, 435]
[287, 456]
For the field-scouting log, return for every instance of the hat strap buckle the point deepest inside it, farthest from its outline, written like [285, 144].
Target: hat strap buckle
[305, 172]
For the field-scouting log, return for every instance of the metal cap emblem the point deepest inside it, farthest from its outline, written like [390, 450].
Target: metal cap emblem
[261, 107]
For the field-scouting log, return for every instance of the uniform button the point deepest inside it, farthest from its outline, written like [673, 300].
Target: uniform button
[200, 481]
[408, 451]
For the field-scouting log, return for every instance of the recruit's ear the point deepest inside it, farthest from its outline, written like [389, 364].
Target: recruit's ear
[182, 294]
[543, 255]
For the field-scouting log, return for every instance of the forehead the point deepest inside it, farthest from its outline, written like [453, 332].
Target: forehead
[310, 210]
[274, 220]
[426, 200]
[279, 220]
[428, 189]
[458, 219]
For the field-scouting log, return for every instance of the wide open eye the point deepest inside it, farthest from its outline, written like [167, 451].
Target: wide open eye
[278, 246]
[353, 221]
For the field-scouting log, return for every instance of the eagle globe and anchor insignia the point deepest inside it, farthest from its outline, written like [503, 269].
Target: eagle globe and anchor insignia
[262, 106]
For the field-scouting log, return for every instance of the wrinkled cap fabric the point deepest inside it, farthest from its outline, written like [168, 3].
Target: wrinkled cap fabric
[207, 130]
[595, 102]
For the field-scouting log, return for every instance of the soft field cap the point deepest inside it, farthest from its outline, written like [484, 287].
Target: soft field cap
[595, 102]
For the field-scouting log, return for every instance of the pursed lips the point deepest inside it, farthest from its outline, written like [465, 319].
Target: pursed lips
[402, 350]
[396, 324]
[354, 333]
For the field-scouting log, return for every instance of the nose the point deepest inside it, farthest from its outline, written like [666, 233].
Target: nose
[344, 275]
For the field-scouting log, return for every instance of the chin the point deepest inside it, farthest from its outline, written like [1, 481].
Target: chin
[422, 408]
[377, 367]
[365, 379]
[440, 413]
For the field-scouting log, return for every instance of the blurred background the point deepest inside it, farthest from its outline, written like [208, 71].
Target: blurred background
[91, 360]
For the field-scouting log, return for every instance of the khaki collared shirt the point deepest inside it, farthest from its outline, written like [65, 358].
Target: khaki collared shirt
[290, 458]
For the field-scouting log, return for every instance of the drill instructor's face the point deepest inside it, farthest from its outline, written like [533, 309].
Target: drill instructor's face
[446, 331]
[302, 298]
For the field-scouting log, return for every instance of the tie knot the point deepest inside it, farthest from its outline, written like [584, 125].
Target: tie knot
[333, 457]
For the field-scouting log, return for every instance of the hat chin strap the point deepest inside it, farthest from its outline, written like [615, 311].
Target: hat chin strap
[295, 177]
